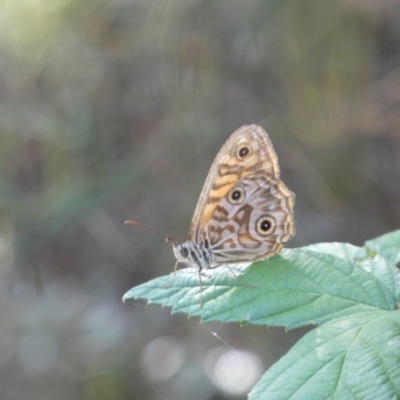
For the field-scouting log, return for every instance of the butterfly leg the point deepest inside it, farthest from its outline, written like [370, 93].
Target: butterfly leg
[236, 277]
[201, 290]
[168, 284]
[230, 269]
[205, 274]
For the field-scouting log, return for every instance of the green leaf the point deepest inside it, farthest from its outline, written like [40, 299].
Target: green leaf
[345, 251]
[387, 245]
[296, 288]
[386, 272]
[356, 357]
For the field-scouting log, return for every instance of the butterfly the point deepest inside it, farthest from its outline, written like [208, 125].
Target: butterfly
[245, 212]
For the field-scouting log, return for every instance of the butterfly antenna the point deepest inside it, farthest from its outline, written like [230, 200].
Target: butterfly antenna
[167, 238]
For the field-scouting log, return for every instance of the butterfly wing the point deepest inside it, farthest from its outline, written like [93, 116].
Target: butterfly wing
[230, 166]
[255, 228]
[231, 226]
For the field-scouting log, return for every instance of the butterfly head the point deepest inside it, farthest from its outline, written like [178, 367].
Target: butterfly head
[191, 255]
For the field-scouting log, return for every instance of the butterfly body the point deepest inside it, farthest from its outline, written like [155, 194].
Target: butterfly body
[245, 212]
[194, 255]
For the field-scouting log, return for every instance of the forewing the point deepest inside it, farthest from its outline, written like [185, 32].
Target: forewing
[229, 167]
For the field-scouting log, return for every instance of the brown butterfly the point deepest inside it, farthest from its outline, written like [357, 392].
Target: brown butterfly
[245, 212]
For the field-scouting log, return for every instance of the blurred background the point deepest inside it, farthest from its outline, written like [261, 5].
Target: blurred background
[115, 109]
